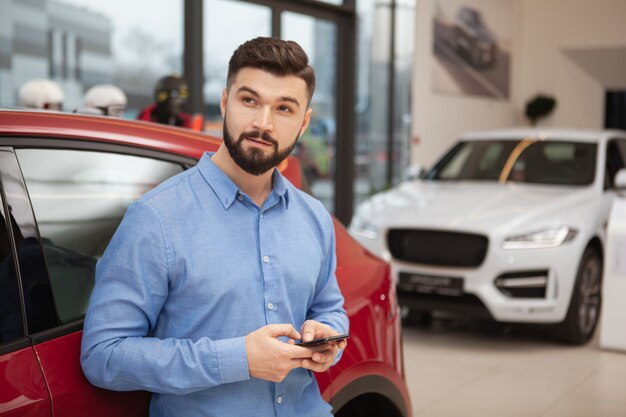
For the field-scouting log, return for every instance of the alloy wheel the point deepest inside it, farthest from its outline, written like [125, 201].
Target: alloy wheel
[590, 294]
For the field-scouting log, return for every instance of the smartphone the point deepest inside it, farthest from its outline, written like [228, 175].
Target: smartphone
[318, 342]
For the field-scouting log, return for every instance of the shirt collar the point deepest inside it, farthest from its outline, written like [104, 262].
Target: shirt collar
[279, 187]
[226, 190]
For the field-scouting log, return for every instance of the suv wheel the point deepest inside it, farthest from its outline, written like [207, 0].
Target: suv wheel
[584, 308]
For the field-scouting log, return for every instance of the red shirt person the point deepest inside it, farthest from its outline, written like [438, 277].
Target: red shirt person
[170, 94]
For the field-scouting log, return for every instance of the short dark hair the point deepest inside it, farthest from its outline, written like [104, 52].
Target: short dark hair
[276, 56]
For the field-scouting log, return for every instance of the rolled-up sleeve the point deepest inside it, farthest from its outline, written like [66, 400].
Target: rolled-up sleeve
[132, 283]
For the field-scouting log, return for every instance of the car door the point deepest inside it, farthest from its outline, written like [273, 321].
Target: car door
[614, 160]
[22, 387]
[79, 196]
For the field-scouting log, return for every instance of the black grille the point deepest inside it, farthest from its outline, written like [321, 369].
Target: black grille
[465, 305]
[434, 247]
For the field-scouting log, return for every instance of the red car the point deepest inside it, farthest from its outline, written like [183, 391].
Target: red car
[65, 183]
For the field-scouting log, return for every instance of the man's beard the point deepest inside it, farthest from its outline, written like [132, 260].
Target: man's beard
[254, 161]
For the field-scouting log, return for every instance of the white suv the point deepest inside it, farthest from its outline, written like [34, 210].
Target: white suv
[509, 224]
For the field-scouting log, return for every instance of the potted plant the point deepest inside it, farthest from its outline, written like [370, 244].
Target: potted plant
[539, 106]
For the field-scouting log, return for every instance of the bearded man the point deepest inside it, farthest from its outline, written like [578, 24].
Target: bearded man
[214, 274]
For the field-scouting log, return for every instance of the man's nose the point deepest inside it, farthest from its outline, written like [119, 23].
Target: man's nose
[264, 120]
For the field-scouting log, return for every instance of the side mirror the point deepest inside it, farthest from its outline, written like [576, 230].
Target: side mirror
[620, 179]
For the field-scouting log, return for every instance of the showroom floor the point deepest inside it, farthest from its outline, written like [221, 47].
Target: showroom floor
[476, 369]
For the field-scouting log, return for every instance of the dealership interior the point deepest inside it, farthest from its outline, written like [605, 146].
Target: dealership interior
[428, 116]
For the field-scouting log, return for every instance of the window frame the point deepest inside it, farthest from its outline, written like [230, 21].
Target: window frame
[24, 341]
[621, 146]
[345, 16]
[609, 181]
[10, 153]
[10, 144]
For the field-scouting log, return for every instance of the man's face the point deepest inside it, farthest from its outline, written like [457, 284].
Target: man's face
[264, 115]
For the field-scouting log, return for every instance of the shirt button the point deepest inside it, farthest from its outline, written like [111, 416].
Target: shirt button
[279, 400]
[266, 259]
[270, 306]
[240, 197]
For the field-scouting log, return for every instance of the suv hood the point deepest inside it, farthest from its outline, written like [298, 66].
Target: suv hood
[471, 206]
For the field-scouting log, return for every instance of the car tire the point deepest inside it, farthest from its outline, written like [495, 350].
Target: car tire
[584, 309]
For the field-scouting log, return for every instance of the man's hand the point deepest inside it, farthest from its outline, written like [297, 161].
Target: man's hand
[271, 359]
[325, 355]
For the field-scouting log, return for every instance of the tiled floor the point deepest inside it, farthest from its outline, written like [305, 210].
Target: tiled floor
[484, 370]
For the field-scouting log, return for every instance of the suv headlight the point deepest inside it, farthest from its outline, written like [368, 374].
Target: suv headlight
[546, 238]
[364, 228]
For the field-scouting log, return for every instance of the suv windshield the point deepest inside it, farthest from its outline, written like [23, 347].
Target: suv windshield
[529, 160]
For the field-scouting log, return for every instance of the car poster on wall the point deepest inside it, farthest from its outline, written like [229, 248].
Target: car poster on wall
[472, 45]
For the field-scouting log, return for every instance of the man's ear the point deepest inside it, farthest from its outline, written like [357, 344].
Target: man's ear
[223, 102]
[305, 122]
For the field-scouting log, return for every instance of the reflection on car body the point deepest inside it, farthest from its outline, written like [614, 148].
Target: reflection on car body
[514, 218]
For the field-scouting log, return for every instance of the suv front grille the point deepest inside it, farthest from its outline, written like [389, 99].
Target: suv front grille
[434, 247]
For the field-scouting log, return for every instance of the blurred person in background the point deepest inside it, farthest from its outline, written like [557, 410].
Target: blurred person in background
[41, 94]
[170, 94]
[105, 100]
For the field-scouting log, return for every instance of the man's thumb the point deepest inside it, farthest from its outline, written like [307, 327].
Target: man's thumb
[277, 330]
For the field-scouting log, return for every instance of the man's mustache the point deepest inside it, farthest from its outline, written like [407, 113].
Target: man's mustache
[257, 134]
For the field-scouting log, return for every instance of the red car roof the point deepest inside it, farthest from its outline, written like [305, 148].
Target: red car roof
[155, 136]
[180, 141]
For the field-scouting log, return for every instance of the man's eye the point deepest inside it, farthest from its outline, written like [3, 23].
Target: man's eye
[248, 100]
[285, 109]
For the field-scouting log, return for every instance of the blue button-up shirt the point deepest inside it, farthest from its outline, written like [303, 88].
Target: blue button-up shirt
[193, 268]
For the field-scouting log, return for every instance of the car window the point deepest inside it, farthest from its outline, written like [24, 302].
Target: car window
[556, 162]
[31, 267]
[614, 162]
[491, 158]
[453, 169]
[473, 160]
[11, 323]
[530, 160]
[79, 198]
[621, 146]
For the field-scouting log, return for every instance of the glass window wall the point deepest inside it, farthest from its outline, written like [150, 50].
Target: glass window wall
[372, 101]
[316, 148]
[80, 43]
[383, 110]
[227, 24]
[403, 63]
